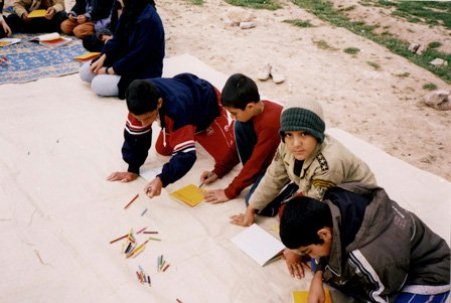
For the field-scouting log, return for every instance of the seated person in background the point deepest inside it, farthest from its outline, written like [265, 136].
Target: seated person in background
[367, 247]
[136, 51]
[189, 110]
[4, 28]
[20, 23]
[256, 133]
[96, 42]
[87, 17]
[307, 160]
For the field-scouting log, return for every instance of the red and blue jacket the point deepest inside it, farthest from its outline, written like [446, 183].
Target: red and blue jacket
[190, 105]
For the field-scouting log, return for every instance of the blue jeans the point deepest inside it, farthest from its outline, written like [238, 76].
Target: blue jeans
[405, 297]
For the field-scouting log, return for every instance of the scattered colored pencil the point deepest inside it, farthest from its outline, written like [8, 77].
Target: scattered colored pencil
[131, 201]
[118, 239]
[150, 232]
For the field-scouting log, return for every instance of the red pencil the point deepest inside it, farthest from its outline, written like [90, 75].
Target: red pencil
[120, 238]
[132, 200]
[166, 267]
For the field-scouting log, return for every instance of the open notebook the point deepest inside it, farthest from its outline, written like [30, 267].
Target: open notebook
[258, 244]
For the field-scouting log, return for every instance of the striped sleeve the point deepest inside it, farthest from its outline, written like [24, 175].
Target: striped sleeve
[138, 139]
[183, 155]
[358, 260]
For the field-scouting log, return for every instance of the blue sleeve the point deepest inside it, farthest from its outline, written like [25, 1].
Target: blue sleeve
[136, 145]
[179, 164]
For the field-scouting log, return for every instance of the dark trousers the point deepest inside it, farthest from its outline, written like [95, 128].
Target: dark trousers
[246, 139]
[92, 43]
[36, 25]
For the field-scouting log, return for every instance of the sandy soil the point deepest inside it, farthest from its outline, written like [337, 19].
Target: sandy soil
[380, 105]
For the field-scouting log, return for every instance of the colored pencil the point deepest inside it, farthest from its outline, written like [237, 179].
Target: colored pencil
[150, 232]
[120, 238]
[131, 201]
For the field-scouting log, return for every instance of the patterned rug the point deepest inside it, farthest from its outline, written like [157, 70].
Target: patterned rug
[29, 61]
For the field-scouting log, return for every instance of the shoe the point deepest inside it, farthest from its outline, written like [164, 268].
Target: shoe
[264, 73]
[277, 76]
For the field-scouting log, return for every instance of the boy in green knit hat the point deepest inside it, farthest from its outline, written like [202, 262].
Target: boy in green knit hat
[308, 159]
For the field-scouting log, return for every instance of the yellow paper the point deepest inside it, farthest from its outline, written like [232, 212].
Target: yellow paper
[37, 13]
[190, 194]
[301, 296]
[87, 56]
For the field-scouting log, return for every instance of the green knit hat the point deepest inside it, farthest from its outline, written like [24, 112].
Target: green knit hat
[306, 116]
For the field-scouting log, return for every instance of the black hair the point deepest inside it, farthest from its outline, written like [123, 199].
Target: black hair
[302, 218]
[238, 91]
[142, 97]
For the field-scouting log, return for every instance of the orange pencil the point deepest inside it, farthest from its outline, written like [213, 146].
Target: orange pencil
[120, 238]
[166, 267]
[132, 200]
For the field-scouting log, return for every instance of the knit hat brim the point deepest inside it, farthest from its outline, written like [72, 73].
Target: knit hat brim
[301, 119]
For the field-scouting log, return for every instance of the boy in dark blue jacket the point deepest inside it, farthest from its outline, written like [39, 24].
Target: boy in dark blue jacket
[189, 110]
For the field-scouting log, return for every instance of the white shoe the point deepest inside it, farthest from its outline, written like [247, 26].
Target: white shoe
[277, 76]
[264, 73]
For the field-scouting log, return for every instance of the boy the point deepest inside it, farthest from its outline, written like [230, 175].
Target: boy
[310, 160]
[20, 23]
[189, 110]
[87, 17]
[367, 246]
[256, 131]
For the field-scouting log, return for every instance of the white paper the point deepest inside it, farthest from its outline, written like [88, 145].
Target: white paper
[10, 40]
[258, 244]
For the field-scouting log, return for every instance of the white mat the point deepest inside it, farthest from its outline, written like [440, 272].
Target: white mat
[58, 142]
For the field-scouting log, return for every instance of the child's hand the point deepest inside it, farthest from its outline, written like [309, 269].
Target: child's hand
[245, 219]
[97, 64]
[153, 189]
[216, 196]
[51, 11]
[5, 27]
[294, 264]
[208, 177]
[122, 176]
[82, 19]
[25, 17]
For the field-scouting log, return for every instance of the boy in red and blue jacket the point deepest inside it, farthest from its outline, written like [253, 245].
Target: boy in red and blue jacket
[189, 110]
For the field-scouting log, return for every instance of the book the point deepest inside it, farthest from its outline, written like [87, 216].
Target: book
[86, 57]
[189, 194]
[46, 37]
[8, 41]
[301, 296]
[57, 42]
[258, 244]
[37, 13]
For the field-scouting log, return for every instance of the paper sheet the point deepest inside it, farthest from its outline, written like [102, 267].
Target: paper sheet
[37, 13]
[258, 244]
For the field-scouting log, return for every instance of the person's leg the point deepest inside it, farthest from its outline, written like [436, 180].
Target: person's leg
[67, 26]
[405, 297]
[245, 139]
[54, 25]
[85, 72]
[273, 207]
[105, 85]
[92, 43]
[15, 23]
[217, 139]
[83, 30]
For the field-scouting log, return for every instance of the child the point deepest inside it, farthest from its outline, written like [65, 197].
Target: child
[87, 17]
[256, 131]
[4, 28]
[308, 159]
[20, 23]
[189, 110]
[367, 246]
[136, 51]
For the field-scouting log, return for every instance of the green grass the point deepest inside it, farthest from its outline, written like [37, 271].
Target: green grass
[351, 50]
[434, 44]
[322, 44]
[299, 22]
[429, 86]
[324, 10]
[259, 4]
[403, 75]
[197, 2]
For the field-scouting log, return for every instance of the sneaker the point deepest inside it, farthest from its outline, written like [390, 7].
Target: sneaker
[277, 76]
[264, 73]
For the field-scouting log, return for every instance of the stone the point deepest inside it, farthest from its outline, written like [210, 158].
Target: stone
[439, 99]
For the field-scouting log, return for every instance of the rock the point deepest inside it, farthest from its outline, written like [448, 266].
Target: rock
[439, 99]
[237, 16]
[247, 25]
[438, 62]
[413, 47]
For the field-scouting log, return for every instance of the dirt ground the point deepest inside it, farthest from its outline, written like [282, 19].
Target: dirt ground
[374, 94]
